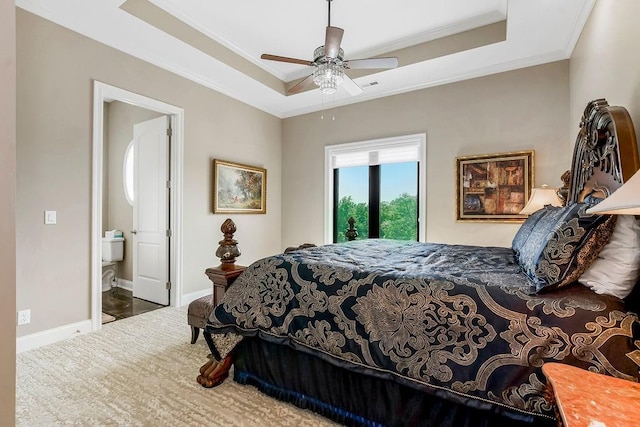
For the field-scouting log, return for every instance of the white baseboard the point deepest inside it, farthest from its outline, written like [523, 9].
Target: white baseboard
[187, 298]
[125, 284]
[50, 336]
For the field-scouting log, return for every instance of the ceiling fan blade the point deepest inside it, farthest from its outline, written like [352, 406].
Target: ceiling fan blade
[301, 85]
[355, 64]
[286, 59]
[351, 86]
[332, 41]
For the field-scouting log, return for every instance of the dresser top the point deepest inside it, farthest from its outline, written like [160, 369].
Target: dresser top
[588, 399]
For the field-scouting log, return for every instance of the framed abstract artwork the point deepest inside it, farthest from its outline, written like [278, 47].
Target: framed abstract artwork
[493, 187]
[239, 188]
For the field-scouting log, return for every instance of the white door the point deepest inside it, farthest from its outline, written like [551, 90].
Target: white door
[150, 211]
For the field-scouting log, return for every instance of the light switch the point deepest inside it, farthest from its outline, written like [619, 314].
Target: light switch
[49, 217]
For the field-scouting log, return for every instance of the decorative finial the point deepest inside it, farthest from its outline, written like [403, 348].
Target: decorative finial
[352, 232]
[228, 249]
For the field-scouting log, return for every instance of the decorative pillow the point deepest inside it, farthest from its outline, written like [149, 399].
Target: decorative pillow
[617, 268]
[534, 233]
[563, 244]
[520, 239]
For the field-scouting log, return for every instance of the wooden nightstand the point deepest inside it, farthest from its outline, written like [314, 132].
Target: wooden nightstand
[584, 398]
[222, 279]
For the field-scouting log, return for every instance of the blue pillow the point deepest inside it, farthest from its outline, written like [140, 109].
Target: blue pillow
[534, 233]
[527, 227]
[563, 244]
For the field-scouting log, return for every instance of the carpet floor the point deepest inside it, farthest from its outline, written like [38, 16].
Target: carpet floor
[139, 371]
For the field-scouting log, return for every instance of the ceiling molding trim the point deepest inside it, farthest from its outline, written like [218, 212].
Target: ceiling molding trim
[268, 104]
[245, 97]
[438, 33]
[578, 26]
[174, 27]
[225, 42]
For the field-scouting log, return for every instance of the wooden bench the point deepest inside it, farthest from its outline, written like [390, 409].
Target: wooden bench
[197, 315]
[199, 310]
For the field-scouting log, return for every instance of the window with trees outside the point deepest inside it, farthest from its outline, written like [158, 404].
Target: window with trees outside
[380, 184]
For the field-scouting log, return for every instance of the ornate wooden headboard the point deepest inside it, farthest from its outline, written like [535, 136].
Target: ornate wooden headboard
[606, 151]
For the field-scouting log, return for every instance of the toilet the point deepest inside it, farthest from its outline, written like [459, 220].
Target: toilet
[112, 252]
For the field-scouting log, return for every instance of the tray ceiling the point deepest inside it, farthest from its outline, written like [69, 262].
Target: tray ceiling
[218, 44]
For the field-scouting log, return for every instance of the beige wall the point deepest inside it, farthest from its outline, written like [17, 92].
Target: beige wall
[56, 69]
[7, 213]
[519, 110]
[119, 216]
[606, 60]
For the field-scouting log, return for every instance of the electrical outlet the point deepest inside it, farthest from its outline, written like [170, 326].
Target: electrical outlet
[24, 317]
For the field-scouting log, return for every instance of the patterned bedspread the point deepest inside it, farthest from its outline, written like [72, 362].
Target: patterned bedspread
[455, 321]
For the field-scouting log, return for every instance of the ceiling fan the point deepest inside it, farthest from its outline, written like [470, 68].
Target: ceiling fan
[329, 64]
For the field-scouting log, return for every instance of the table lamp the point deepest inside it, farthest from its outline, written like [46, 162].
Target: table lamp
[540, 197]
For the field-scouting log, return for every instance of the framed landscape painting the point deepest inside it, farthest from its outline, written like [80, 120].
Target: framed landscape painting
[493, 187]
[239, 188]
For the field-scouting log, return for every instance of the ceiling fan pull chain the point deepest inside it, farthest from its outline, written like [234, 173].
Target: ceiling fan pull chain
[333, 107]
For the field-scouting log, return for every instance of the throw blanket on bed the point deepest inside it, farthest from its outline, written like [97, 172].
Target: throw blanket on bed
[455, 321]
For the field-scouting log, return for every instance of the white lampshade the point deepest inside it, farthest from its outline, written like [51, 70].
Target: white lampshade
[624, 201]
[541, 197]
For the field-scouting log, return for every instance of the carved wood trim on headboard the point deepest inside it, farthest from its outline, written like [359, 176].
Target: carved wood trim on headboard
[606, 151]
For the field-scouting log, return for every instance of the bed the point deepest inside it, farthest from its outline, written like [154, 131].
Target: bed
[380, 332]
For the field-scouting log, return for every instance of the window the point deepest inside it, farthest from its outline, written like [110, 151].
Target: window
[383, 200]
[380, 183]
[351, 199]
[127, 174]
[399, 201]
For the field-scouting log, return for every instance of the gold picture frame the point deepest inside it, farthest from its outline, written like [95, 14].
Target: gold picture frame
[493, 187]
[238, 188]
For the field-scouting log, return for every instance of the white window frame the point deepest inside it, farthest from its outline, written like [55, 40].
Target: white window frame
[330, 153]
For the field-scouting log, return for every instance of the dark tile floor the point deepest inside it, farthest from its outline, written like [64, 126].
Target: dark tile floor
[120, 303]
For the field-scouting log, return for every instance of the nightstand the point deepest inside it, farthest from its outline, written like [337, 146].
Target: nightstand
[587, 399]
[222, 279]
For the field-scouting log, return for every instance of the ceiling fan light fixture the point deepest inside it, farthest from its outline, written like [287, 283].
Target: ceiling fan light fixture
[330, 65]
[328, 76]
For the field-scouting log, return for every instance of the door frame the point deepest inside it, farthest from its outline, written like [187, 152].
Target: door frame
[102, 93]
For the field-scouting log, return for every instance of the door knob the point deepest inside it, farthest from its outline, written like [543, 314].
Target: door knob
[134, 231]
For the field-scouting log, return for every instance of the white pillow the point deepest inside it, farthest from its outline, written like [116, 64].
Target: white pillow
[616, 269]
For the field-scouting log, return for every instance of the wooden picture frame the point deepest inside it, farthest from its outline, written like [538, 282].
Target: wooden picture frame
[493, 187]
[239, 189]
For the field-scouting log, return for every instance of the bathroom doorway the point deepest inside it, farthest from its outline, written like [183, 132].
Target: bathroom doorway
[135, 210]
[118, 114]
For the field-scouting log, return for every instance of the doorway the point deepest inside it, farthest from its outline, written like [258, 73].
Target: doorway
[135, 219]
[170, 272]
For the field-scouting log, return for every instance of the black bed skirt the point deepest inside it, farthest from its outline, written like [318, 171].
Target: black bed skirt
[354, 399]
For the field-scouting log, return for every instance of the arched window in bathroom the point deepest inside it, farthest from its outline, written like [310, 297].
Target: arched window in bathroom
[127, 174]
